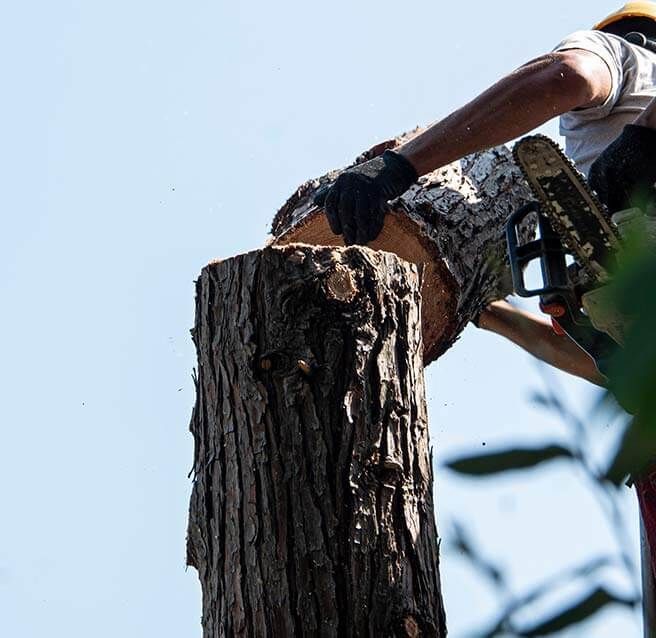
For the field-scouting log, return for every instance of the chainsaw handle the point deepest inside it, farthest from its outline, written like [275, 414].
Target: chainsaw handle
[547, 249]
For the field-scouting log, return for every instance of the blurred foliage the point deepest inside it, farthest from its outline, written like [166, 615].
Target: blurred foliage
[579, 611]
[631, 385]
[632, 375]
[513, 459]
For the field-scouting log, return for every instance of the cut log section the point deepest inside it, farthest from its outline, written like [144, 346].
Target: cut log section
[452, 221]
[400, 236]
[312, 507]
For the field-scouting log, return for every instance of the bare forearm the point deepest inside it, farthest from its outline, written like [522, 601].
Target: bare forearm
[537, 337]
[518, 103]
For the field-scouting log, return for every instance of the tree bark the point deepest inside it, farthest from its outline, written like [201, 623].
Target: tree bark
[311, 512]
[452, 220]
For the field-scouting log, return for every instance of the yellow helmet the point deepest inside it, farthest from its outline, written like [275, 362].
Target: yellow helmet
[629, 10]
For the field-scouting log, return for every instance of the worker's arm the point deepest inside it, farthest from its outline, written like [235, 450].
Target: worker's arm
[624, 174]
[530, 96]
[536, 336]
[533, 94]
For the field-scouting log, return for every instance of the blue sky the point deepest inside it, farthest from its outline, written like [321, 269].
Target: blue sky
[140, 141]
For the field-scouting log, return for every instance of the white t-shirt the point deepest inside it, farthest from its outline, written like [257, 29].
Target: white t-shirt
[633, 71]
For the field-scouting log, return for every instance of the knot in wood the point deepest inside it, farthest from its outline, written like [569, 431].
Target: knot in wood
[411, 627]
[308, 368]
[340, 284]
[297, 257]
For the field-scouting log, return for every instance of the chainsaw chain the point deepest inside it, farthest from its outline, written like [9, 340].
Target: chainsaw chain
[562, 191]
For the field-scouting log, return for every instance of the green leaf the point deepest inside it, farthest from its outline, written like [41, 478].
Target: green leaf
[514, 459]
[463, 543]
[577, 613]
[637, 449]
[632, 374]
[504, 625]
[633, 369]
[547, 401]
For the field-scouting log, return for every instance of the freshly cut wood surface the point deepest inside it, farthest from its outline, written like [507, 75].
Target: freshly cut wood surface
[452, 221]
[400, 236]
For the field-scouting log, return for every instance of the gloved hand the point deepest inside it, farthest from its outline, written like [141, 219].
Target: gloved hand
[624, 174]
[356, 202]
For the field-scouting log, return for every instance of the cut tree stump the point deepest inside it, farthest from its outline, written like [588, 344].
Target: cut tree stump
[452, 221]
[312, 512]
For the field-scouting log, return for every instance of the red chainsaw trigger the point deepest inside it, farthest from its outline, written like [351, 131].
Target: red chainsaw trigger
[553, 309]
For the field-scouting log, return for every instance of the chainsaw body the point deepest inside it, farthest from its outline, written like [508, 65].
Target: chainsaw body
[563, 286]
[574, 224]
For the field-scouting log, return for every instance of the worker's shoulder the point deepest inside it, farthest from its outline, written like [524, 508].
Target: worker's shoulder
[609, 46]
[590, 39]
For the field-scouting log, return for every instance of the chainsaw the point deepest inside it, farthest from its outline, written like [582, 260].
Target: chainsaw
[577, 248]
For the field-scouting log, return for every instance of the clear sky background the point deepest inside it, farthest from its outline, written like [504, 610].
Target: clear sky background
[141, 140]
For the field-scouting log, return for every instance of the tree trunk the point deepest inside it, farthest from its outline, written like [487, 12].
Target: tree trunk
[452, 220]
[311, 512]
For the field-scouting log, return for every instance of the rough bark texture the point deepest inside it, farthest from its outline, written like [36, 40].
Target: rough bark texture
[453, 220]
[311, 512]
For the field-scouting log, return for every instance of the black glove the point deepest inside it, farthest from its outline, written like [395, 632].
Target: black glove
[356, 202]
[624, 174]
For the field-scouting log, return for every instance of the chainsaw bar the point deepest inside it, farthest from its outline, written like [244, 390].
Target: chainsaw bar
[577, 216]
